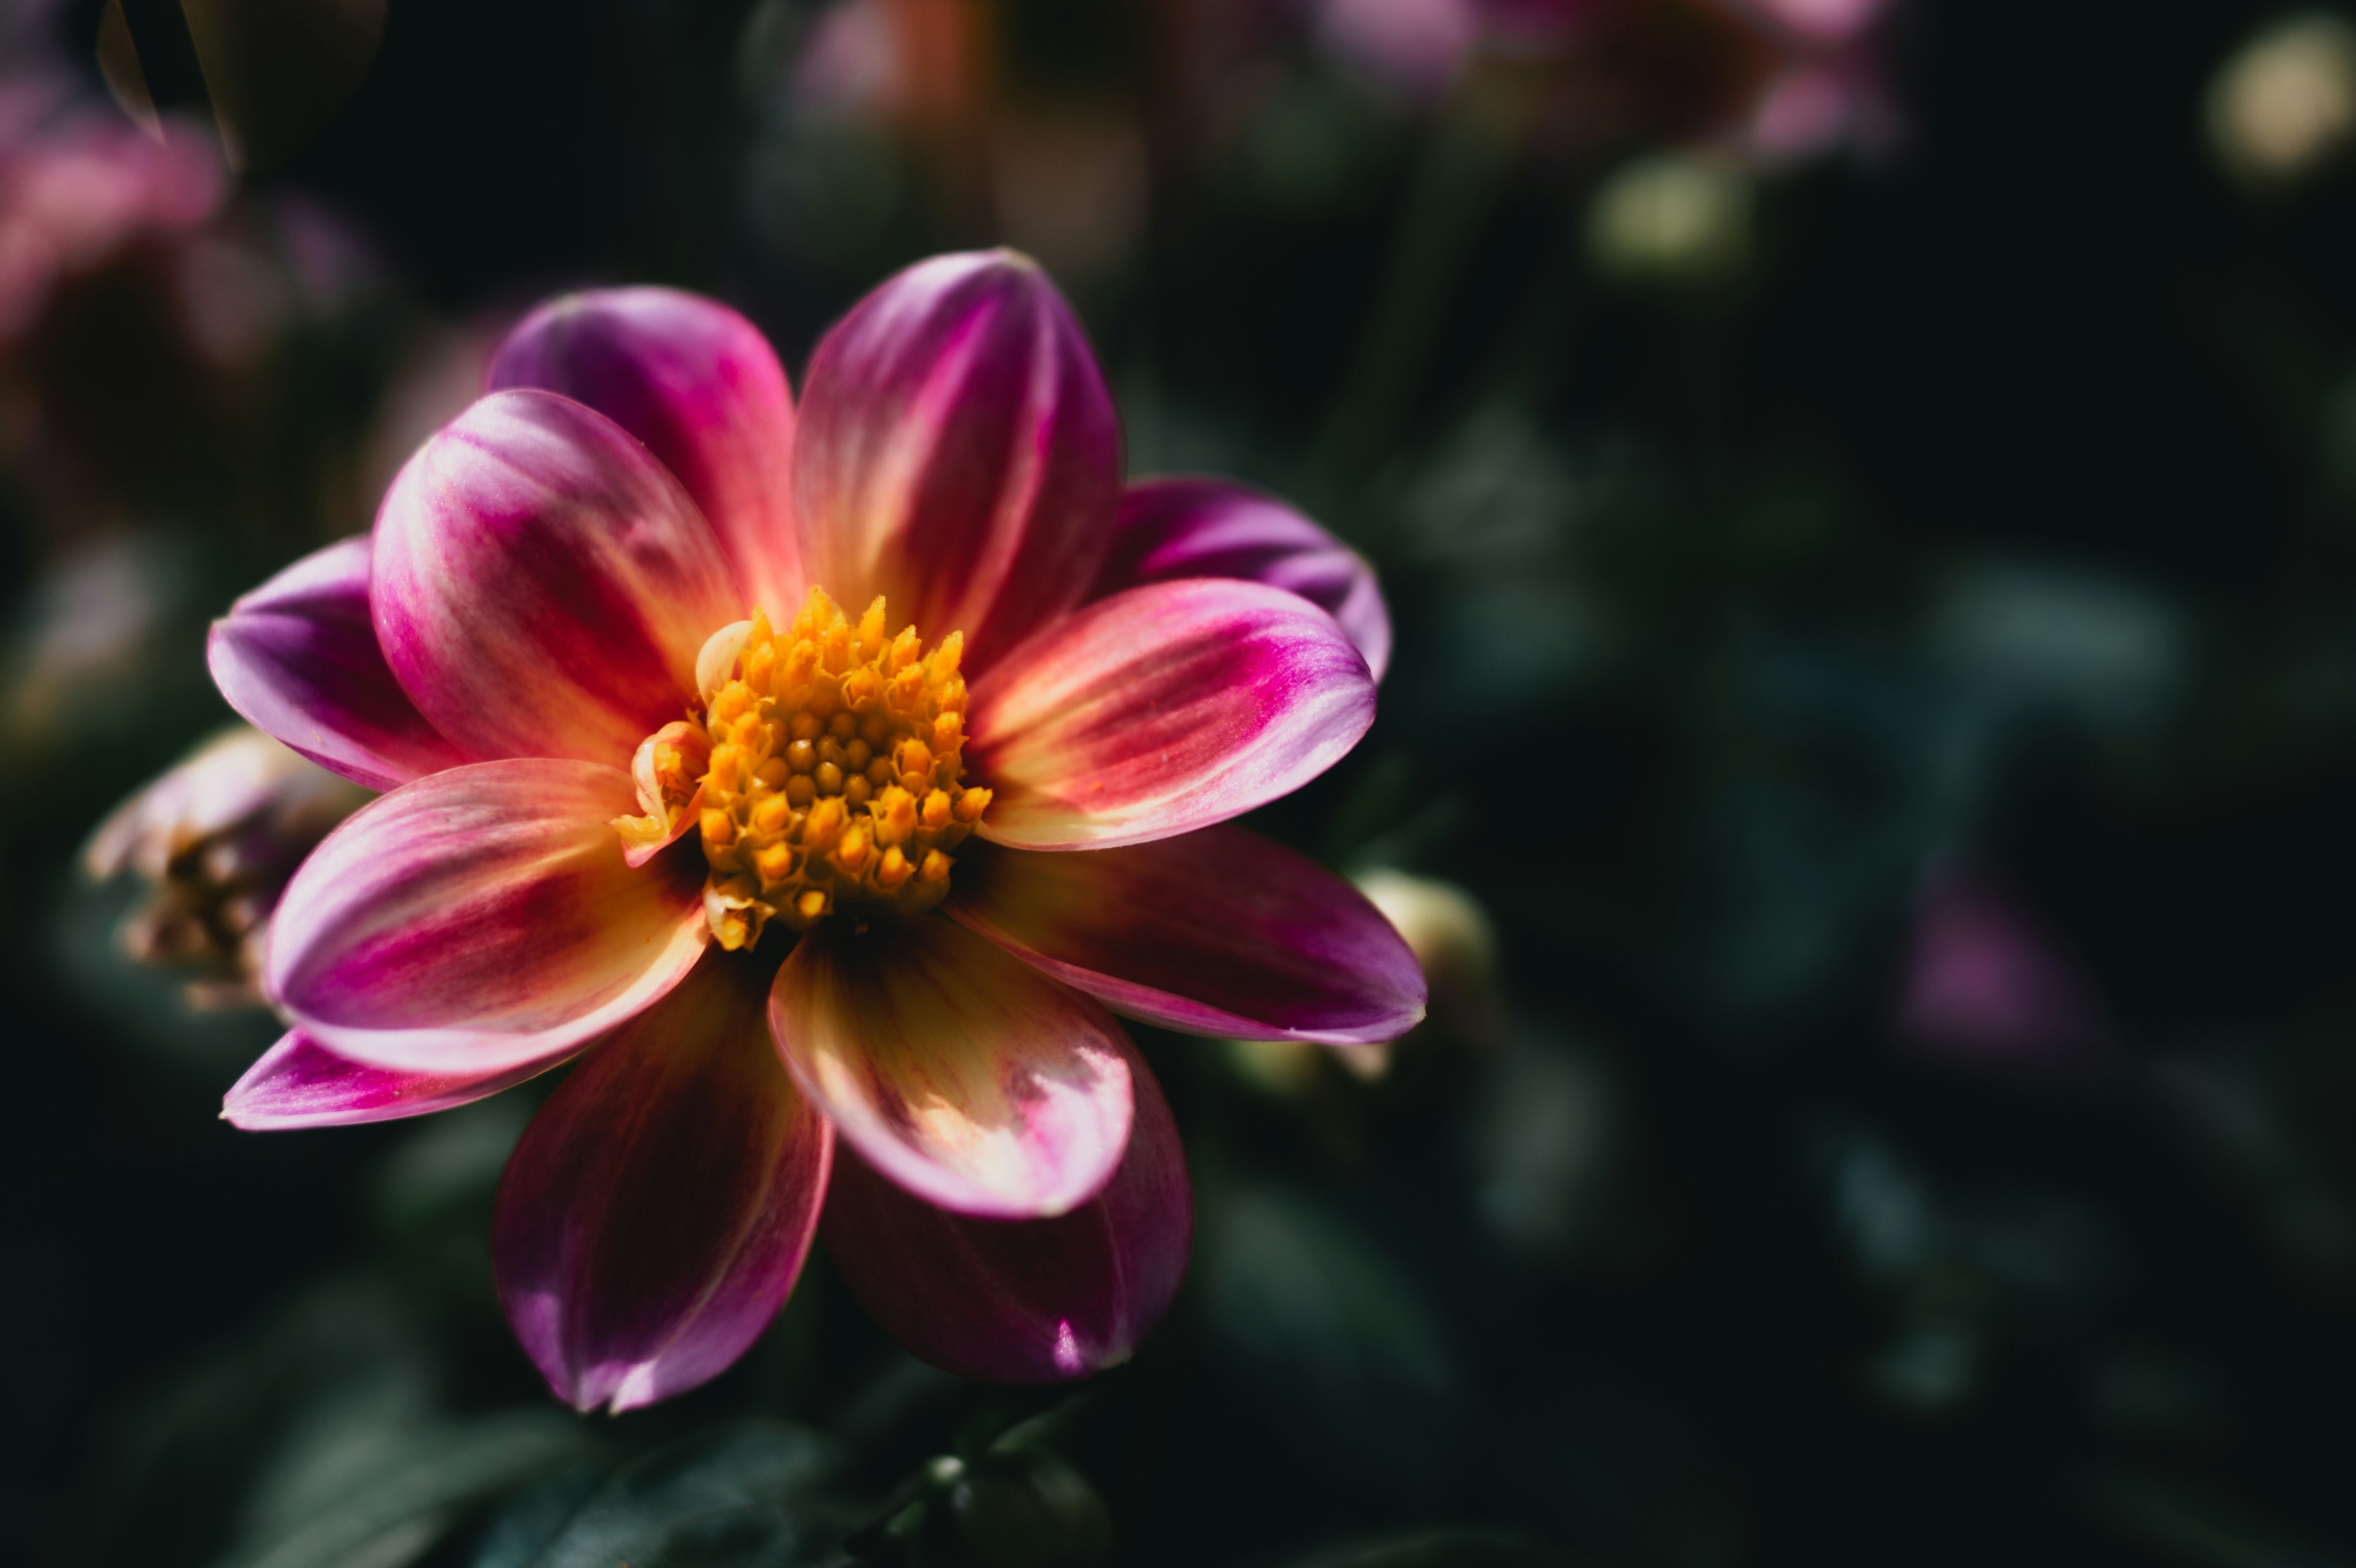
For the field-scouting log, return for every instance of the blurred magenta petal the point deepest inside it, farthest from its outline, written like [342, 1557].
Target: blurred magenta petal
[298, 1083]
[964, 1075]
[1412, 45]
[958, 452]
[79, 183]
[1218, 933]
[1172, 528]
[1985, 988]
[655, 1215]
[1022, 1301]
[298, 658]
[543, 585]
[1822, 22]
[700, 386]
[481, 919]
[1163, 709]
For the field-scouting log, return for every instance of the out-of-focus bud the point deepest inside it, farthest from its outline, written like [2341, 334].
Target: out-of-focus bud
[2283, 106]
[1452, 940]
[1025, 1508]
[216, 838]
[1683, 219]
[1451, 937]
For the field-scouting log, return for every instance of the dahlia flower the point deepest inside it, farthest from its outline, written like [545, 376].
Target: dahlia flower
[824, 781]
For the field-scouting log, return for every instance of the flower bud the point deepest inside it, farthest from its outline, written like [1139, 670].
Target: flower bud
[216, 838]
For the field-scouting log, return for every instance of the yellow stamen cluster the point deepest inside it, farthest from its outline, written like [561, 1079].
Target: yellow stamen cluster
[834, 772]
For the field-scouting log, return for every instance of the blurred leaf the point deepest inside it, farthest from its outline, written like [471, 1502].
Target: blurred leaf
[1440, 1549]
[734, 1497]
[395, 1504]
[1334, 1337]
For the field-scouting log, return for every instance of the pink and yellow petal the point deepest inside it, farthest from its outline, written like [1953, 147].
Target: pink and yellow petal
[298, 658]
[1185, 527]
[543, 585]
[1022, 1301]
[1163, 709]
[702, 388]
[964, 1075]
[657, 1211]
[298, 1083]
[958, 454]
[480, 919]
[1217, 933]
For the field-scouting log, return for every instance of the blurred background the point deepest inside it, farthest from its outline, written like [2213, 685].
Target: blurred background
[1868, 492]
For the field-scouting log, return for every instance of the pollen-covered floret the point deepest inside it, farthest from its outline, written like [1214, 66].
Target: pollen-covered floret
[826, 770]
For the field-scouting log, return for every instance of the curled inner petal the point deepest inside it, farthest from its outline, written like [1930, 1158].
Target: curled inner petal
[961, 1074]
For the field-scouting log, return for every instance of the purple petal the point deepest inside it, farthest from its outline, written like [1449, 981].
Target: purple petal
[967, 1077]
[1218, 933]
[958, 454]
[655, 1215]
[1171, 528]
[1022, 1301]
[298, 1083]
[482, 919]
[1163, 709]
[543, 585]
[298, 658]
[700, 386]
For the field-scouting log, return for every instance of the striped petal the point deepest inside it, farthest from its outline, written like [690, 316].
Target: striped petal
[1172, 528]
[657, 1211]
[543, 585]
[958, 452]
[1022, 1301]
[1219, 932]
[481, 919]
[1163, 709]
[700, 386]
[967, 1077]
[298, 1083]
[298, 658]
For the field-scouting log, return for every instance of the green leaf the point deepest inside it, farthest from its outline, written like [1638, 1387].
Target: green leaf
[391, 1509]
[744, 1496]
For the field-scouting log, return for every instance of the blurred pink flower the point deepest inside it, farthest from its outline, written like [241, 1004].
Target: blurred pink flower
[1982, 987]
[1782, 79]
[750, 918]
[79, 182]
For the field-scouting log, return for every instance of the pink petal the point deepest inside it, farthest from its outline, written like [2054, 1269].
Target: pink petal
[298, 658]
[958, 454]
[655, 1215]
[1163, 709]
[543, 585]
[700, 386]
[1172, 528]
[1022, 1301]
[481, 919]
[299, 1083]
[969, 1079]
[1218, 933]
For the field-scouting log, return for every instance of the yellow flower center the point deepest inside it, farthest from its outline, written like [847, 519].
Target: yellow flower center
[826, 771]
